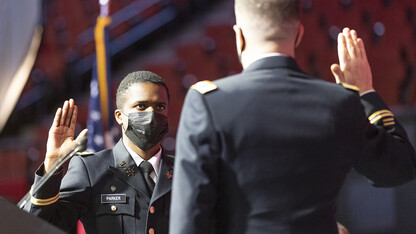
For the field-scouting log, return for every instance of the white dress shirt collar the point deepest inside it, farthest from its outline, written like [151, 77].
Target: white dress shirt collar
[155, 161]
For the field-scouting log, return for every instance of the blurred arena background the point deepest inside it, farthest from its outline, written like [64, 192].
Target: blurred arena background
[185, 41]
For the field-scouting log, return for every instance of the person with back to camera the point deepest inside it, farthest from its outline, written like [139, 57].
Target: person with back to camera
[267, 150]
[125, 189]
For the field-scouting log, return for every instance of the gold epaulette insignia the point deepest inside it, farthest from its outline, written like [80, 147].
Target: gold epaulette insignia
[205, 86]
[84, 153]
[350, 87]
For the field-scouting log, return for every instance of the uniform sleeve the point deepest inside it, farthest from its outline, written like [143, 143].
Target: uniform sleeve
[62, 201]
[387, 157]
[195, 178]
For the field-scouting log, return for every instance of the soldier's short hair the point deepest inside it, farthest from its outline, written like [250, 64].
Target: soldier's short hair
[270, 19]
[134, 78]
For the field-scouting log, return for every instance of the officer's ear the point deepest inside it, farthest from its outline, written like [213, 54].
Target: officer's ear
[299, 36]
[239, 38]
[118, 116]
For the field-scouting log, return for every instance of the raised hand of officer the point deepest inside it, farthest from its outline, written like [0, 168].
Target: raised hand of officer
[353, 67]
[342, 229]
[61, 134]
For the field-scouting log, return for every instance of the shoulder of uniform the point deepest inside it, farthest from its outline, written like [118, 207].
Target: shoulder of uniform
[204, 87]
[349, 87]
[84, 153]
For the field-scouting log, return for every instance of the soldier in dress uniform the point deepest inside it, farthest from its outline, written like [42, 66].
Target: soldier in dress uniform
[125, 189]
[267, 150]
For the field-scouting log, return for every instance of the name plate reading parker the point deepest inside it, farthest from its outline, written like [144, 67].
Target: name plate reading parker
[113, 198]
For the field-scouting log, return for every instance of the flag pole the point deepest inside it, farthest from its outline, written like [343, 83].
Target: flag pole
[103, 64]
[99, 115]
[104, 7]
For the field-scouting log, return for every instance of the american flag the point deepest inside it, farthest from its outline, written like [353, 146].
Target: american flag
[99, 118]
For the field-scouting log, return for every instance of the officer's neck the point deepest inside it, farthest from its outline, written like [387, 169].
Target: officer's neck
[258, 50]
[144, 154]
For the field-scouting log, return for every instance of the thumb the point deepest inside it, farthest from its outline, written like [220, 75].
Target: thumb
[337, 73]
[81, 139]
[342, 229]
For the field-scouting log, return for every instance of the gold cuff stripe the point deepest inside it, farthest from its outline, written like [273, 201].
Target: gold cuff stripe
[348, 86]
[379, 117]
[389, 123]
[44, 202]
[379, 114]
[388, 120]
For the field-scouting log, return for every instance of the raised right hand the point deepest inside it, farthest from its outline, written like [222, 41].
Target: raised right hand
[353, 67]
[61, 134]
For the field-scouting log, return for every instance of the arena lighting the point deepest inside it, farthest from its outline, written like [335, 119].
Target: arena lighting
[169, 143]
[379, 29]
[307, 4]
[333, 32]
[188, 80]
[345, 2]
[20, 77]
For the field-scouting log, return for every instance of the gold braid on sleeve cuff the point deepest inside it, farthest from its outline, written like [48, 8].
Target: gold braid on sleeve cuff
[385, 115]
[44, 202]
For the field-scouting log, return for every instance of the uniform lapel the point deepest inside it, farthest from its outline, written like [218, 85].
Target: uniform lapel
[164, 180]
[126, 169]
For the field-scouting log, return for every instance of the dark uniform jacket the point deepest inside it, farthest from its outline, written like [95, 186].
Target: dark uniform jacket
[108, 193]
[267, 151]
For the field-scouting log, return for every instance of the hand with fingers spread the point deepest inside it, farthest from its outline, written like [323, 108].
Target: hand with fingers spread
[353, 67]
[61, 134]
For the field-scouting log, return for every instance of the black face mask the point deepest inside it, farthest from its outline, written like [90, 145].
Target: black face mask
[146, 129]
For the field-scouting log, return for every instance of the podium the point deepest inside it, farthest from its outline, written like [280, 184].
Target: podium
[16, 221]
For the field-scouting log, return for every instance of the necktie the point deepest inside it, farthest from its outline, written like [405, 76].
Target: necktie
[146, 168]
